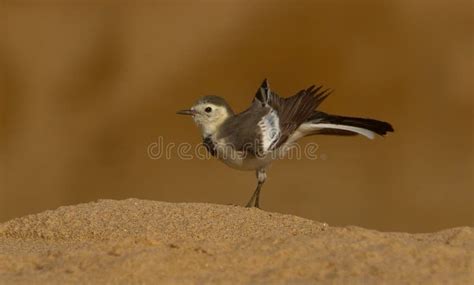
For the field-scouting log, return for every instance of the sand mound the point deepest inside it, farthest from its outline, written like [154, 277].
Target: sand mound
[137, 241]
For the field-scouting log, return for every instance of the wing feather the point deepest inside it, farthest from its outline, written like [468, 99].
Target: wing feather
[292, 111]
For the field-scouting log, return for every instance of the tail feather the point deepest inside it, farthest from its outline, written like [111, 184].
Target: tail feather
[340, 125]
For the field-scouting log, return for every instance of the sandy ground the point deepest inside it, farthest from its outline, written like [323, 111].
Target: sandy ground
[138, 241]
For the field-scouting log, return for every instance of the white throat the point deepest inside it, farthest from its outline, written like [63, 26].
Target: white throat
[211, 127]
[208, 129]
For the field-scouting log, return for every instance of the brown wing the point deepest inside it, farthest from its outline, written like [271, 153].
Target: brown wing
[292, 111]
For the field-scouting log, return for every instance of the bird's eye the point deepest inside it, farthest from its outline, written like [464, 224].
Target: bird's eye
[208, 109]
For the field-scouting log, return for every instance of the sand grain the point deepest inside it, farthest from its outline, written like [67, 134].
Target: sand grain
[138, 241]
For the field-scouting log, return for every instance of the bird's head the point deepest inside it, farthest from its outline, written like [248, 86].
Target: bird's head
[209, 113]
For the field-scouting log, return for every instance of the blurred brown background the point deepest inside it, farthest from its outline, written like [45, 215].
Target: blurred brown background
[87, 87]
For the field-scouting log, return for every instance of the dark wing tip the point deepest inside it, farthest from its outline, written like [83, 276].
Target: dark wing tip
[265, 86]
[310, 89]
[313, 90]
[263, 92]
[320, 96]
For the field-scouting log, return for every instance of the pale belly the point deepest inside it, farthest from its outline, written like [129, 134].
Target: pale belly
[247, 163]
[239, 161]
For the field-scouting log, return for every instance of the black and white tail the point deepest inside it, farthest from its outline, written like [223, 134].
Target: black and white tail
[326, 124]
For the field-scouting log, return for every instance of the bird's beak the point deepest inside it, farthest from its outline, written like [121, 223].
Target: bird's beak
[186, 112]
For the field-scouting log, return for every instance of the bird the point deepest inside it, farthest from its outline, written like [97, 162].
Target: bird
[251, 140]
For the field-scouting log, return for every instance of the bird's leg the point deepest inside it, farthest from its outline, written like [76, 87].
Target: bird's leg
[261, 177]
[251, 201]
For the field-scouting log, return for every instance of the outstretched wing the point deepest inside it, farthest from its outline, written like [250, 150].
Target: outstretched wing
[292, 111]
[254, 131]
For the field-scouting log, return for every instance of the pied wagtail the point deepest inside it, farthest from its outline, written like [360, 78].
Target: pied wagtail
[251, 140]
